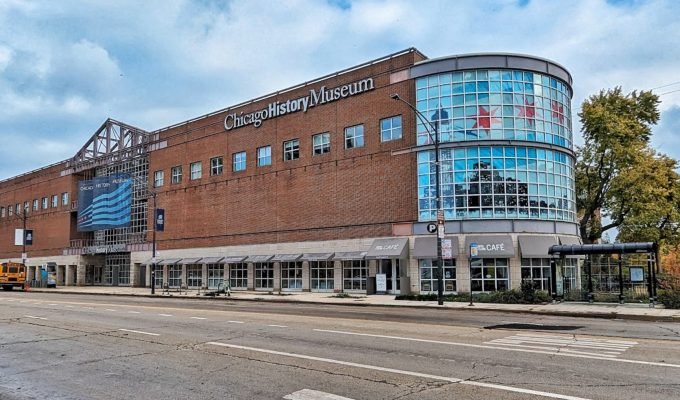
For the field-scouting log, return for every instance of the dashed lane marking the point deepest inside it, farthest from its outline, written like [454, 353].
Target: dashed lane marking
[402, 372]
[278, 326]
[236, 322]
[34, 317]
[165, 315]
[109, 309]
[134, 312]
[140, 332]
[198, 318]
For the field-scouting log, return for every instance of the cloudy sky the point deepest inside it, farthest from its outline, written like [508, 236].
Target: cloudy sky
[66, 66]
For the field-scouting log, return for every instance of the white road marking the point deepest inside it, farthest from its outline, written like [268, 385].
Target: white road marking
[481, 346]
[52, 304]
[31, 316]
[134, 312]
[68, 306]
[571, 344]
[278, 326]
[403, 372]
[108, 309]
[236, 322]
[198, 318]
[165, 315]
[140, 332]
[308, 394]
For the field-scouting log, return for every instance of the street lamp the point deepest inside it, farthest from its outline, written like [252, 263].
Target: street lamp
[153, 246]
[438, 115]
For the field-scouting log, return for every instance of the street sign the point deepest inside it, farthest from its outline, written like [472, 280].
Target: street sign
[440, 231]
[474, 252]
[440, 217]
[447, 251]
[431, 227]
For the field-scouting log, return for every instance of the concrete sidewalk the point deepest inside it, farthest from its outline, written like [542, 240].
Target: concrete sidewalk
[572, 309]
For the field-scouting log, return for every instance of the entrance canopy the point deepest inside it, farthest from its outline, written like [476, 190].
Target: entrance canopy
[387, 248]
[536, 246]
[610, 248]
[426, 247]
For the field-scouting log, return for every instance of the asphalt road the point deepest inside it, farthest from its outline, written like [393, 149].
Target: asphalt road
[105, 347]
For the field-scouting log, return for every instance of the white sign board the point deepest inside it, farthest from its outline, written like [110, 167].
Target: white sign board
[447, 251]
[380, 283]
[18, 237]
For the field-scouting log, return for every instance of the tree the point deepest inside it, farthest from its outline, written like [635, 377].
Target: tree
[614, 164]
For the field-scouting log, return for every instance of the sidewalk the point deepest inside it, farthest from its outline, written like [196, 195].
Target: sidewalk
[572, 309]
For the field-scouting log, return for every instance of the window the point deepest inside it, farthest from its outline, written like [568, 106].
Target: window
[17, 208]
[264, 156]
[159, 276]
[64, 199]
[10, 210]
[215, 276]
[239, 161]
[354, 136]
[174, 276]
[321, 143]
[322, 275]
[264, 275]
[55, 201]
[27, 206]
[216, 166]
[291, 150]
[44, 203]
[354, 275]
[196, 170]
[489, 274]
[537, 270]
[390, 128]
[429, 282]
[194, 276]
[291, 275]
[176, 174]
[158, 178]
[238, 276]
[2, 212]
[36, 205]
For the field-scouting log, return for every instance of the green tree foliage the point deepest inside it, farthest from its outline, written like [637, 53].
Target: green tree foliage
[618, 176]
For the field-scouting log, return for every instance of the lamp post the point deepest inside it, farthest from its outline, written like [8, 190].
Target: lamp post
[153, 247]
[434, 138]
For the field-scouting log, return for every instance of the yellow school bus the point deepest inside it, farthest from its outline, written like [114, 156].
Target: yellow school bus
[12, 275]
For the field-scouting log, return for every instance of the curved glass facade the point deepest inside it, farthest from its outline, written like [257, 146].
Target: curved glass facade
[497, 181]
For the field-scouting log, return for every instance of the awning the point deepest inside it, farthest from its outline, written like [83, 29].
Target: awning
[388, 248]
[189, 261]
[169, 261]
[491, 246]
[212, 260]
[233, 259]
[567, 240]
[426, 247]
[286, 257]
[349, 255]
[259, 259]
[536, 246]
[317, 256]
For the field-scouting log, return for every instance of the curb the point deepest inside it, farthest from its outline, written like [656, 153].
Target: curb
[476, 308]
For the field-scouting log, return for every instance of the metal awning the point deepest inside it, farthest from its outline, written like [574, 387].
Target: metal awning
[491, 246]
[426, 247]
[388, 248]
[286, 257]
[317, 256]
[169, 261]
[259, 259]
[568, 240]
[349, 255]
[150, 261]
[189, 261]
[212, 260]
[233, 259]
[536, 246]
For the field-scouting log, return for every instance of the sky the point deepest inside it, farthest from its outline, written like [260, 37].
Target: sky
[66, 66]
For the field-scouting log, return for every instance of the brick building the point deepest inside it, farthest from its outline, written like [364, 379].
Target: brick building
[323, 185]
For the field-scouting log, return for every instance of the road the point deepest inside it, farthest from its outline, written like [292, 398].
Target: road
[60, 346]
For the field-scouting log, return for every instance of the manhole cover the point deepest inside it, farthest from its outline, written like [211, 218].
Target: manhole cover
[541, 327]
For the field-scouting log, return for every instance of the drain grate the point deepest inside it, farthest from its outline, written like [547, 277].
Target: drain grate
[541, 327]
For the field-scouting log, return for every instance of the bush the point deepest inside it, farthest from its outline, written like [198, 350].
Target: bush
[670, 298]
[527, 294]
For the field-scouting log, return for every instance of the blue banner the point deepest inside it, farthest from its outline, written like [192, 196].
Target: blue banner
[160, 219]
[104, 203]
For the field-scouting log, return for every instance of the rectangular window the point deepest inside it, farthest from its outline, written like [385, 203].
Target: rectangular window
[174, 276]
[27, 206]
[215, 276]
[390, 128]
[238, 276]
[2, 212]
[354, 275]
[194, 276]
[291, 150]
[264, 156]
[489, 274]
[429, 280]
[216, 166]
[196, 170]
[17, 209]
[239, 161]
[64, 199]
[321, 143]
[322, 276]
[44, 203]
[10, 210]
[36, 204]
[291, 275]
[354, 136]
[176, 174]
[264, 275]
[55, 201]
[158, 178]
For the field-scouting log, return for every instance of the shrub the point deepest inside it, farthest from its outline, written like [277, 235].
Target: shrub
[670, 298]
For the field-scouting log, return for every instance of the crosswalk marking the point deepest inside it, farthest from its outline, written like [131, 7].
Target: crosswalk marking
[308, 394]
[566, 344]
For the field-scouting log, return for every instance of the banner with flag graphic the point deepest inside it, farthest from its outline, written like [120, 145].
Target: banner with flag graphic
[104, 203]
